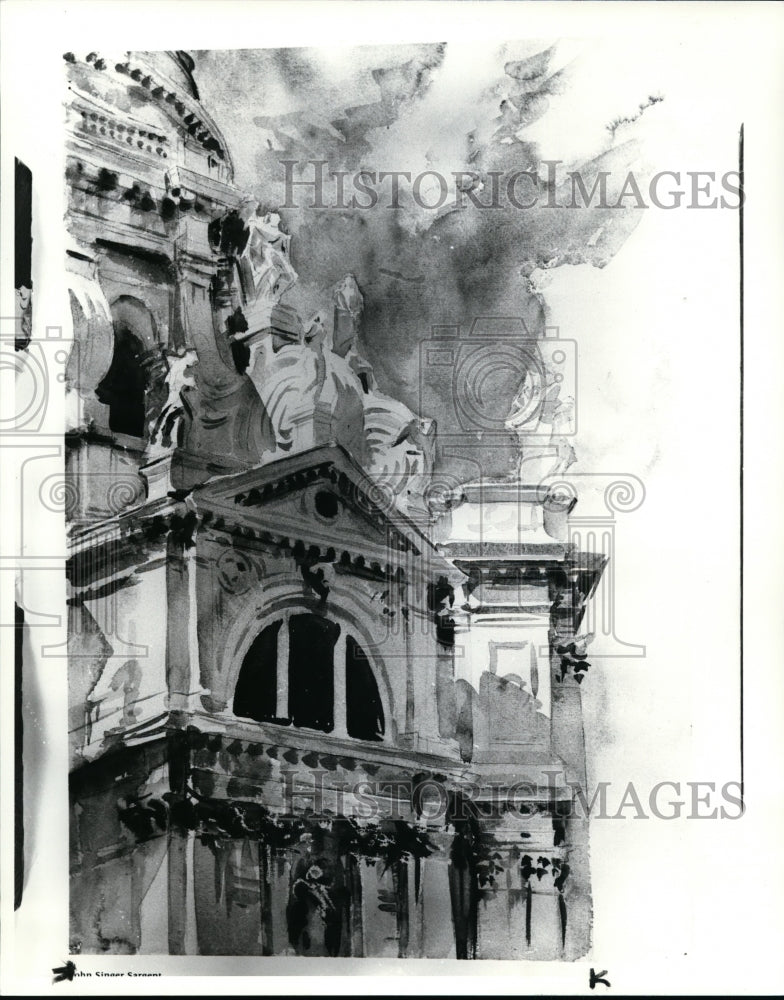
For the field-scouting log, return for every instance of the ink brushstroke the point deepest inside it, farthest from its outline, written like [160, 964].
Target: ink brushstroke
[413, 108]
[269, 602]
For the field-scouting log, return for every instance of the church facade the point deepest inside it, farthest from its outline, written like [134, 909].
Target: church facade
[313, 711]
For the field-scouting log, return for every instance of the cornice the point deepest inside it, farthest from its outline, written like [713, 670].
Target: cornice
[182, 108]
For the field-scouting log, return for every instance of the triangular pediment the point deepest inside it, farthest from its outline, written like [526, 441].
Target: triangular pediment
[318, 498]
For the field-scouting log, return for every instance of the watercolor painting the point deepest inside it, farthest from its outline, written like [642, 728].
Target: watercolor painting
[328, 622]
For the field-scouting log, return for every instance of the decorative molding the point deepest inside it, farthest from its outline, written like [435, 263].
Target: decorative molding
[183, 108]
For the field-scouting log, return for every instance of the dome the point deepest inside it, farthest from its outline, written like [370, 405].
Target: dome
[131, 89]
[178, 66]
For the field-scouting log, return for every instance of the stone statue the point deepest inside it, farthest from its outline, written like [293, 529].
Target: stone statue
[169, 427]
[314, 383]
[265, 269]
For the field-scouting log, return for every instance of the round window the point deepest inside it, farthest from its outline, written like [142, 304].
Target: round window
[327, 504]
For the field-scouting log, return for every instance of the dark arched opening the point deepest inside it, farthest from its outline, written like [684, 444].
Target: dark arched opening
[123, 389]
[255, 696]
[311, 675]
[364, 712]
[293, 672]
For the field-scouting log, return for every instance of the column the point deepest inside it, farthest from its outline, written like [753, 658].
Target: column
[339, 670]
[463, 893]
[439, 935]
[181, 895]
[382, 926]
[282, 709]
[354, 879]
[190, 937]
[279, 877]
[416, 910]
[182, 655]
[400, 882]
